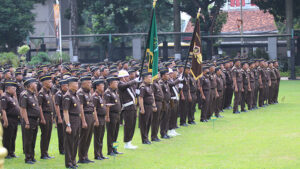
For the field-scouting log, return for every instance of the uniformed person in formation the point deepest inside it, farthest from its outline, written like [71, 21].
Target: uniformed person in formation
[87, 107]
[128, 101]
[99, 128]
[174, 102]
[185, 97]
[156, 116]
[30, 112]
[47, 109]
[214, 95]
[10, 117]
[59, 113]
[220, 90]
[262, 83]
[147, 106]
[237, 79]
[112, 117]
[246, 86]
[72, 122]
[204, 88]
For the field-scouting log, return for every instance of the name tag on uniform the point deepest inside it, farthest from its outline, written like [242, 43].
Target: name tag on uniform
[33, 104]
[14, 103]
[116, 101]
[48, 102]
[75, 105]
[101, 105]
[87, 102]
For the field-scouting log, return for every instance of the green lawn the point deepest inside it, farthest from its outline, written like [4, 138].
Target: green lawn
[264, 138]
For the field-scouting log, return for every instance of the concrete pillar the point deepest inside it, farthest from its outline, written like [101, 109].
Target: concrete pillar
[137, 48]
[272, 47]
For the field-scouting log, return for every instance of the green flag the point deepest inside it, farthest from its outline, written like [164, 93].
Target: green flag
[152, 47]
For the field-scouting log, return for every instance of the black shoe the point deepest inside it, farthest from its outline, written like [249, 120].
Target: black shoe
[62, 153]
[202, 120]
[14, 156]
[156, 140]
[116, 152]
[33, 160]
[165, 137]
[236, 112]
[29, 162]
[49, 157]
[146, 142]
[82, 161]
[177, 127]
[44, 157]
[104, 158]
[111, 154]
[184, 124]
[222, 110]
[219, 116]
[206, 120]
[89, 161]
[8, 157]
[192, 122]
[98, 158]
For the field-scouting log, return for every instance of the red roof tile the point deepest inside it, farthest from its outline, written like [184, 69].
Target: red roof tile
[254, 21]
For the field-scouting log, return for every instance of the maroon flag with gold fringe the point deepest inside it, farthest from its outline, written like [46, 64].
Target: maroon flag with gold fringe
[195, 51]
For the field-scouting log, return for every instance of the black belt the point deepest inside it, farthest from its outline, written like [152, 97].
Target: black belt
[220, 90]
[33, 117]
[114, 112]
[71, 114]
[239, 81]
[101, 115]
[205, 89]
[88, 112]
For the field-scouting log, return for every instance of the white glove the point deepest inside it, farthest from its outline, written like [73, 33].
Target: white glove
[137, 91]
[180, 78]
[180, 85]
[138, 80]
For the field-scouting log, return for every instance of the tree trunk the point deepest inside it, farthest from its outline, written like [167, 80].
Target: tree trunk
[74, 25]
[177, 28]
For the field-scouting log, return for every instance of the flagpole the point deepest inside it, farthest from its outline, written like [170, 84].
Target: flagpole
[144, 56]
[60, 45]
[191, 45]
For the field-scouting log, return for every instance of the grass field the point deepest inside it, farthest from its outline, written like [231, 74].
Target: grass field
[264, 138]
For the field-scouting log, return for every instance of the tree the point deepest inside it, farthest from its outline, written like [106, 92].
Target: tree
[123, 16]
[210, 11]
[16, 21]
[276, 8]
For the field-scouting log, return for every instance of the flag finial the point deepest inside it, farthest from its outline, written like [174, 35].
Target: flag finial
[154, 3]
[198, 14]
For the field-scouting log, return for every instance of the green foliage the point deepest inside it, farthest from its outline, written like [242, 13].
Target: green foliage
[9, 58]
[23, 49]
[40, 58]
[277, 8]
[288, 73]
[259, 53]
[56, 58]
[44, 58]
[212, 21]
